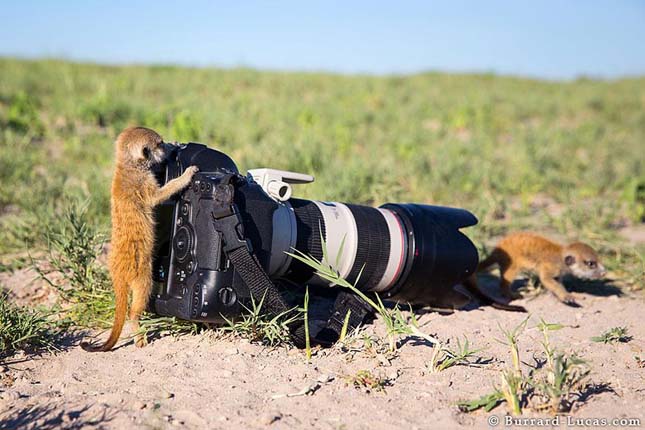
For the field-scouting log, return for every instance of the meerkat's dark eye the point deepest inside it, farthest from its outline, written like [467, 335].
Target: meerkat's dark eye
[591, 264]
[146, 153]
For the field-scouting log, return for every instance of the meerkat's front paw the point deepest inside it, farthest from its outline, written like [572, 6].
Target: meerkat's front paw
[190, 171]
[188, 175]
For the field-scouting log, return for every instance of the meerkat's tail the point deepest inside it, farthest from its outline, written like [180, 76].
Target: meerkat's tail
[471, 286]
[498, 256]
[493, 258]
[121, 309]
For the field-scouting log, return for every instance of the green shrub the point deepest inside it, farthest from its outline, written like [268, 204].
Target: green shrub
[23, 328]
[23, 116]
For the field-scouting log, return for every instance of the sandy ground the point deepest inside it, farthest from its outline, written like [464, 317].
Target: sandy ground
[206, 381]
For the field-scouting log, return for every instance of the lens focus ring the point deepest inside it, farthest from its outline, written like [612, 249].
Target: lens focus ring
[373, 251]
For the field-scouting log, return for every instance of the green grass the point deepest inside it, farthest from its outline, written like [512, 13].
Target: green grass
[257, 326]
[613, 335]
[554, 385]
[72, 268]
[444, 358]
[498, 146]
[24, 329]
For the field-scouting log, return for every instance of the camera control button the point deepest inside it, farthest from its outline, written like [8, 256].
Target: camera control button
[180, 275]
[183, 243]
[227, 296]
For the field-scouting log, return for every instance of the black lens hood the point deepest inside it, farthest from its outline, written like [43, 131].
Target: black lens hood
[438, 257]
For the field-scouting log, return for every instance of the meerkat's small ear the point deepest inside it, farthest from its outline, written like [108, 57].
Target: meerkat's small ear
[569, 260]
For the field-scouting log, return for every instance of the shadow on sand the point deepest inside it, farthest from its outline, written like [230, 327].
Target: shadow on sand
[489, 284]
[49, 417]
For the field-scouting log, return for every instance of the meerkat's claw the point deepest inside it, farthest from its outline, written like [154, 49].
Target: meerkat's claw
[570, 301]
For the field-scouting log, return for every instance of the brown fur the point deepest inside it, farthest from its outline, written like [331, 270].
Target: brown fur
[135, 193]
[522, 252]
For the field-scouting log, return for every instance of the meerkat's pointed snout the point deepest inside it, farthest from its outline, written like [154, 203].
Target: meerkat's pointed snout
[603, 271]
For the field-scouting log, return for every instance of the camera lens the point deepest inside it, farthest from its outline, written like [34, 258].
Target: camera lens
[409, 252]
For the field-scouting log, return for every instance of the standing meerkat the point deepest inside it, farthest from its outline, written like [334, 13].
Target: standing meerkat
[529, 252]
[135, 193]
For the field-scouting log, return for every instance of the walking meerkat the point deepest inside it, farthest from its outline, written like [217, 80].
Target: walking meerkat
[529, 252]
[135, 192]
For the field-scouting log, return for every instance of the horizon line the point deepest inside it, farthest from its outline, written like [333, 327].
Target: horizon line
[394, 74]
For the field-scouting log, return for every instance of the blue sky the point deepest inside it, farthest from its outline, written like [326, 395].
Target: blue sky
[548, 39]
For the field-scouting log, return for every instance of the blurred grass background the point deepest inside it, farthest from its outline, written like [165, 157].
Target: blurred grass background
[564, 159]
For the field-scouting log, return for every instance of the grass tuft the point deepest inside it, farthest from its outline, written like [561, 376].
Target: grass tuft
[368, 381]
[24, 329]
[256, 326]
[71, 267]
[613, 335]
[444, 358]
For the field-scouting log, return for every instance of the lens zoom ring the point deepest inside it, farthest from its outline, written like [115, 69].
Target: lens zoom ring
[309, 222]
[373, 250]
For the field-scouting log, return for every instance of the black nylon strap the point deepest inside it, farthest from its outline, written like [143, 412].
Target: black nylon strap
[257, 280]
[344, 302]
[348, 301]
[228, 223]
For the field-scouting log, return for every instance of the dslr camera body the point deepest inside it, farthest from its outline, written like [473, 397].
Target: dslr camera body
[405, 252]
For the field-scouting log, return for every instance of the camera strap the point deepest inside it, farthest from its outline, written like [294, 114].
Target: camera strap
[346, 306]
[228, 223]
[248, 267]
